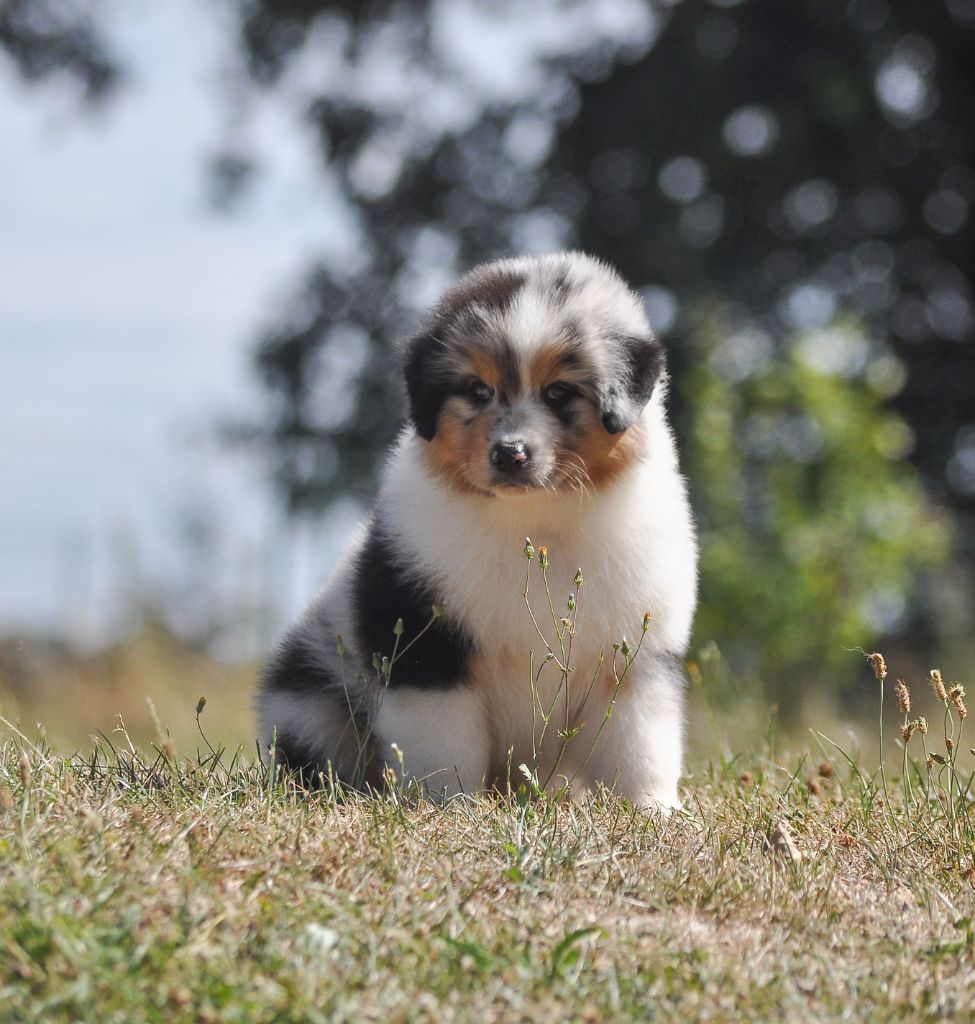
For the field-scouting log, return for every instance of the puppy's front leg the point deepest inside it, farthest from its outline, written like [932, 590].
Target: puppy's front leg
[639, 753]
[442, 735]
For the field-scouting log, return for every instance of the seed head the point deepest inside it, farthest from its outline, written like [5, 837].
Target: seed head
[200, 705]
[949, 744]
[571, 603]
[907, 731]
[529, 549]
[339, 645]
[398, 628]
[903, 697]
[577, 579]
[938, 686]
[959, 702]
[437, 611]
[878, 665]
[922, 725]
[24, 770]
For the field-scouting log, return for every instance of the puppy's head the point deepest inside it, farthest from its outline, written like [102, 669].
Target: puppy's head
[532, 374]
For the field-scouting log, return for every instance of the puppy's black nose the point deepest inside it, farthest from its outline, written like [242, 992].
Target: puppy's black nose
[509, 456]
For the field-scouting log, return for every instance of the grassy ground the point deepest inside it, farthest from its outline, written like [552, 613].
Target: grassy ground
[155, 887]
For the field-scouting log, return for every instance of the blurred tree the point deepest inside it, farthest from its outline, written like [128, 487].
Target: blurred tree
[802, 170]
[59, 40]
[790, 184]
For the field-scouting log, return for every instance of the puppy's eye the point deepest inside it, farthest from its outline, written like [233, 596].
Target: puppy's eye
[479, 392]
[558, 392]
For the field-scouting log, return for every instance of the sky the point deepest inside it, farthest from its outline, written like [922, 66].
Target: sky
[127, 312]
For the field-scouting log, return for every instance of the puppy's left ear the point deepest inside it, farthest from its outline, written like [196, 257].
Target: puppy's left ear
[424, 390]
[638, 365]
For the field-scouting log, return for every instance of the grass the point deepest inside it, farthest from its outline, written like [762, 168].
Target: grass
[143, 884]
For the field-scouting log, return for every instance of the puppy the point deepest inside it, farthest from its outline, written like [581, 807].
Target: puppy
[536, 395]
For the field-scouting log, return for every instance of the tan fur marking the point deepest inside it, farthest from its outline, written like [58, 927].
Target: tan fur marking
[483, 366]
[548, 365]
[606, 455]
[456, 447]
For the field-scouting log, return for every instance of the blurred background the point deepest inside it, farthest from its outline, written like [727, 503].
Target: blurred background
[216, 216]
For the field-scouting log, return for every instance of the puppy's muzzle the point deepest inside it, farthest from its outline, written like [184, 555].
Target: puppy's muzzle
[511, 458]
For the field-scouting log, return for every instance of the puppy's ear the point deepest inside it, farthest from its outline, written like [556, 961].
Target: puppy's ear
[423, 387]
[636, 369]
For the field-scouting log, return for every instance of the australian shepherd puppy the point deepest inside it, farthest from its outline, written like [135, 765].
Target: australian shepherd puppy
[437, 646]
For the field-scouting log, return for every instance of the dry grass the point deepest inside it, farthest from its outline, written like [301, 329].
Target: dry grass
[151, 681]
[156, 887]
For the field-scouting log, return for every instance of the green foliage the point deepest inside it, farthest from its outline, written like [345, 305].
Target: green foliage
[812, 526]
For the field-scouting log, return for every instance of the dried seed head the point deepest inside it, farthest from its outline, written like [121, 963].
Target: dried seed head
[949, 744]
[937, 685]
[878, 665]
[955, 692]
[529, 549]
[825, 770]
[907, 731]
[922, 725]
[903, 697]
[960, 707]
[200, 705]
[24, 770]
[814, 784]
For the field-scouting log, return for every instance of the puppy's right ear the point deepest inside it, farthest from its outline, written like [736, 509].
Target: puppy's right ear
[425, 392]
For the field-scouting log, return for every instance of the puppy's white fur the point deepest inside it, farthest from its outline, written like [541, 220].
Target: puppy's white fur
[631, 534]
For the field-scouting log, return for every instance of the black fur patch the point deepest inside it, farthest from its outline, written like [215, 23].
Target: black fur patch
[509, 369]
[490, 289]
[426, 390]
[565, 412]
[382, 593]
[560, 286]
[642, 362]
[295, 669]
[300, 760]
